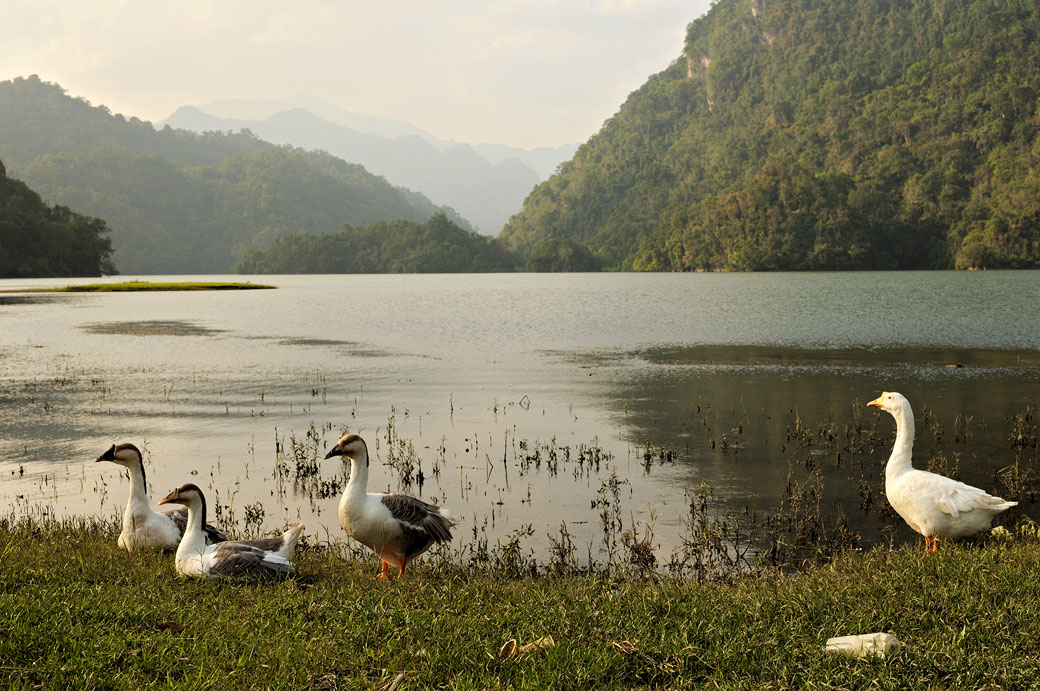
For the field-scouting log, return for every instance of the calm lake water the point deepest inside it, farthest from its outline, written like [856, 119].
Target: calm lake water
[494, 385]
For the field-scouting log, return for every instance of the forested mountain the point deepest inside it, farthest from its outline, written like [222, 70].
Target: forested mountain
[485, 193]
[181, 202]
[817, 134]
[41, 240]
[436, 246]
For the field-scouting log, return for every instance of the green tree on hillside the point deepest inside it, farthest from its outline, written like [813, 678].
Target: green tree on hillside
[436, 246]
[41, 240]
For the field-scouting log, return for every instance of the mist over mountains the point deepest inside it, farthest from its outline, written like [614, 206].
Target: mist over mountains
[484, 183]
[181, 202]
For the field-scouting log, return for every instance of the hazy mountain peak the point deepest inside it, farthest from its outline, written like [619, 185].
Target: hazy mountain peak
[241, 109]
[486, 190]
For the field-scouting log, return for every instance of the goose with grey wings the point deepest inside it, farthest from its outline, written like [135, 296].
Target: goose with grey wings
[242, 559]
[396, 527]
[143, 526]
[937, 507]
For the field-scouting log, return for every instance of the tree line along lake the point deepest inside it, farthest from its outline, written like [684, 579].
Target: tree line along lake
[526, 403]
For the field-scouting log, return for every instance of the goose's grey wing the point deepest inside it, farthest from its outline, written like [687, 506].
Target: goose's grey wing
[268, 544]
[180, 519]
[416, 515]
[238, 560]
[213, 534]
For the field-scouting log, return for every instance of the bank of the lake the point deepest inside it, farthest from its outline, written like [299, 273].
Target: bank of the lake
[77, 612]
[143, 287]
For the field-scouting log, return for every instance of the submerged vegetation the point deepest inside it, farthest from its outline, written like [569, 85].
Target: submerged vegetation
[541, 506]
[717, 542]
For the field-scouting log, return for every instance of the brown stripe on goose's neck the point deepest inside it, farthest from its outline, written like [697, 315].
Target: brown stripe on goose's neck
[202, 508]
[144, 481]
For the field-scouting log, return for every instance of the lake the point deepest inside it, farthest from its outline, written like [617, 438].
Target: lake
[526, 402]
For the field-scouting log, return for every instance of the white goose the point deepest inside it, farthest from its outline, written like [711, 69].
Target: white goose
[394, 526]
[268, 557]
[937, 507]
[143, 526]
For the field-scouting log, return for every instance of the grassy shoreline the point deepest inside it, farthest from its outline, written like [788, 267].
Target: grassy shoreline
[77, 612]
[145, 286]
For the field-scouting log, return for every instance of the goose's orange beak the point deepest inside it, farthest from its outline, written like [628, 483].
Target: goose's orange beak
[171, 497]
[877, 402]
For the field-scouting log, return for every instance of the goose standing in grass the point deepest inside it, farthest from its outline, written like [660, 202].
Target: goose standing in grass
[937, 507]
[264, 558]
[394, 526]
[143, 526]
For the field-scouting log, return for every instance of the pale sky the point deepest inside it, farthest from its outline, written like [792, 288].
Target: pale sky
[521, 72]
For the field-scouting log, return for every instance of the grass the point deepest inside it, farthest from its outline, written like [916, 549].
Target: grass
[77, 612]
[141, 286]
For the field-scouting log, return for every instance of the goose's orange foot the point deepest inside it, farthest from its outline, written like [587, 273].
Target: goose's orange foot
[385, 573]
[931, 545]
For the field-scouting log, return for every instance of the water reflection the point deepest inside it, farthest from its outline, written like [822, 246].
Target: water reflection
[752, 426]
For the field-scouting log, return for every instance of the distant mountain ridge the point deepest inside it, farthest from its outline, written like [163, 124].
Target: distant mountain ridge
[543, 160]
[181, 202]
[254, 110]
[486, 183]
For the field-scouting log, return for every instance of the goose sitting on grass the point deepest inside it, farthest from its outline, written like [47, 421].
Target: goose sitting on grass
[244, 559]
[143, 526]
[935, 506]
[396, 527]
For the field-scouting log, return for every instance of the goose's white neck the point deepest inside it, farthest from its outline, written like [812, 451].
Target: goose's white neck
[353, 498]
[358, 482]
[899, 461]
[138, 488]
[194, 538]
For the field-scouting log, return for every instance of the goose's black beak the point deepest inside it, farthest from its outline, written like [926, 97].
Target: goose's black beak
[109, 455]
[334, 452]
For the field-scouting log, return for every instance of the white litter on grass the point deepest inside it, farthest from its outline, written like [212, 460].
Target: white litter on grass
[864, 644]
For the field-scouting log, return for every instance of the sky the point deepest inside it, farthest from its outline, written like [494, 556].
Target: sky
[526, 73]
